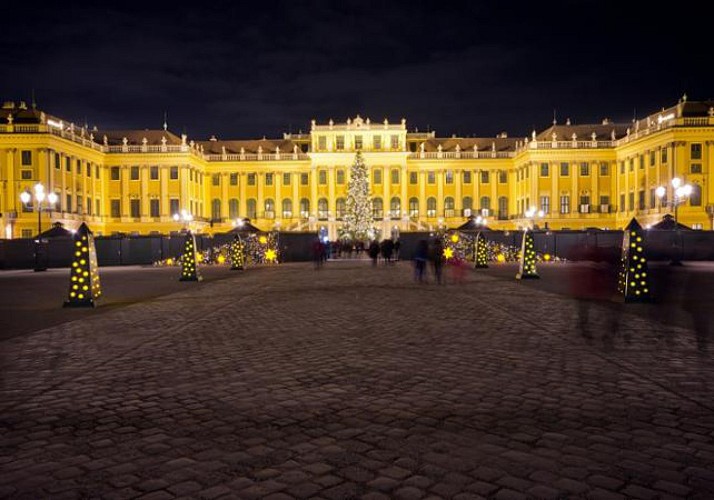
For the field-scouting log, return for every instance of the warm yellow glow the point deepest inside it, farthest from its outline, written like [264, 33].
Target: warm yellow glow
[221, 259]
[448, 253]
[169, 261]
[263, 240]
[546, 257]
[501, 258]
[271, 255]
[455, 238]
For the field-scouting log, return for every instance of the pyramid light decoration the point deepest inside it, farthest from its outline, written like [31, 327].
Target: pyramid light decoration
[84, 287]
[527, 267]
[634, 281]
[480, 252]
[237, 254]
[189, 267]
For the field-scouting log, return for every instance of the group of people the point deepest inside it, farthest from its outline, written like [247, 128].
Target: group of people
[387, 249]
[323, 250]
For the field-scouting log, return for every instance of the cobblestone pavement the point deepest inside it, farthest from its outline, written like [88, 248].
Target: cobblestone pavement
[354, 382]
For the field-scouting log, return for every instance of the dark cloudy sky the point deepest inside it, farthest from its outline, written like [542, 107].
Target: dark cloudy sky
[244, 70]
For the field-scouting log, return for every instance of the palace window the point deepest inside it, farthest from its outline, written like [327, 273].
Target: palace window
[154, 207]
[485, 203]
[467, 177]
[395, 142]
[503, 208]
[135, 208]
[622, 167]
[269, 205]
[664, 155]
[233, 208]
[545, 204]
[431, 207]
[251, 208]
[564, 170]
[395, 176]
[695, 199]
[341, 207]
[340, 142]
[484, 176]
[503, 176]
[695, 151]
[467, 205]
[358, 142]
[584, 204]
[80, 206]
[96, 171]
[26, 175]
[216, 209]
[641, 159]
[26, 157]
[431, 177]
[652, 158]
[287, 208]
[377, 141]
[173, 206]
[286, 179]
[68, 163]
[173, 173]
[340, 176]
[321, 142]
[216, 179]
[304, 208]
[605, 200]
[304, 179]
[68, 203]
[233, 179]
[395, 207]
[377, 208]
[641, 199]
[565, 204]
[114, 173]
[695, 168]
[79, 166]
[544, 170]
[449, 176]
[134, 173]
[584, 169]
[604, 169]
[322, 210]
[89, 169]
[322, 177]
[377, 176]
[114, 208]
[89, 206]
[251, 179]
[448, 207]
[269, 179]
[622, 202]
[413, 178]
[58, 161]
[631, 200]
[632, 164]
[413, 207]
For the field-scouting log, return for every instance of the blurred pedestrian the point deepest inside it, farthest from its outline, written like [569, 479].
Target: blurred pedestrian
[387, 248]
[437, 259]
[421, 255]
[397, 246]
[698, 304]
[373, 251]
[318, 253]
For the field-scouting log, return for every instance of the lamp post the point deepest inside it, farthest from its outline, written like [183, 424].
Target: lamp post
[680, 193]
[532, 214]
[39, 196]
[185, 217]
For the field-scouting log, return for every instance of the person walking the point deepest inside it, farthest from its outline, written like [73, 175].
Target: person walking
[387, 249]
[421, 255]
[437, 259]
[373, 252]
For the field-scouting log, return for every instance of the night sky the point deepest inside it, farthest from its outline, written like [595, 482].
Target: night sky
[247, 70]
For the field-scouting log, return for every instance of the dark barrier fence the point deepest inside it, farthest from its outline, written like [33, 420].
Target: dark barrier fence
[297, 247]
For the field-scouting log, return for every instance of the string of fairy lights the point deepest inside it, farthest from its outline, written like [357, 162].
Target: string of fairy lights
[633, 281]
[256, 249]
[84, 286]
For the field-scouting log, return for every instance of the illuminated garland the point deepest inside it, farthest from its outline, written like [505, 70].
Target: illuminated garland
[459, 245]
[527, 267]
[257, 249]
[84, 287]
[237, 256]
[189, 267]
[633, 282]
[480, 252]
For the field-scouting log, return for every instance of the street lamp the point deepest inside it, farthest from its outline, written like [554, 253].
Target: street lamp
[40, 197]
[532, 214]
[680, 193]
[184, 216]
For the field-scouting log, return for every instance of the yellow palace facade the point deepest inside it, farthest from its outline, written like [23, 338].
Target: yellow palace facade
[135, 181]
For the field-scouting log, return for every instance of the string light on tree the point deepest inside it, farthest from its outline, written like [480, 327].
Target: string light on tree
[358, 221]
[634, 281]
[527, 267]
[189, 266]
[84, 287]
[480, 252]
[237, 254]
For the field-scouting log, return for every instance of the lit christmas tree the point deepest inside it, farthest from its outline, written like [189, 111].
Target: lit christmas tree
[357, 222]
[84, 287]
[527, 268]
[237, 254]
[480, 252]
[189, 267]
[634, 281]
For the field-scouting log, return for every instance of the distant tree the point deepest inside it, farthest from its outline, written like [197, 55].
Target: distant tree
[357, 221]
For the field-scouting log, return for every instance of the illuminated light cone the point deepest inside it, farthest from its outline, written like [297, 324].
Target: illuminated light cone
[84, 287]
[480, 252]
[189, 267]
[634, 278]
[237, 254]
[527, 267]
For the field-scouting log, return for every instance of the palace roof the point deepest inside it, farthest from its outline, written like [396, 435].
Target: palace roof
[136, 137]
[468, 143]
[248, 146]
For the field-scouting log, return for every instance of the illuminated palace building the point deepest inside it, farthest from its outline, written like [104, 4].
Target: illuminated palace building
[134, 181]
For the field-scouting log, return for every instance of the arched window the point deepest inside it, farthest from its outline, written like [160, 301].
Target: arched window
[448, 206]
[304, 208]
[431, 207]
[322, 211]
[269, 209]
[695, 199]
[232, 208]
[251, 208]
[485, 205]
[287, 208]
[216, 209]
[377, 208]
[503, 208]
[413, 207]
[341, 207]
[395, 207]
[468, 205]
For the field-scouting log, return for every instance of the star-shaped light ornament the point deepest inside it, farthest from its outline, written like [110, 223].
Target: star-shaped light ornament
[271, 255]
[448, 252]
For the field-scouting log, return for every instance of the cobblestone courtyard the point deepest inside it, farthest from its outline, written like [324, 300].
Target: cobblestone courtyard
[354, 382]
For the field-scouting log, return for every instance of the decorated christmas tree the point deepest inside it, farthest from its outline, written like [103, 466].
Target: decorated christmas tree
[237, 254]
[527, 268]
[84, 287]
[189, 266]
[480, 252]
[634, 281]
[357, 222]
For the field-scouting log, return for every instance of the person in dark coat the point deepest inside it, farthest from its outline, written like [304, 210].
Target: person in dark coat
[437, 259]
[373, 251]
[421, 255]
[387, 249]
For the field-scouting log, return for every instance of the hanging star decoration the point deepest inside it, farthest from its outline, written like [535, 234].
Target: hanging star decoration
[271, 255]
[449, 253]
